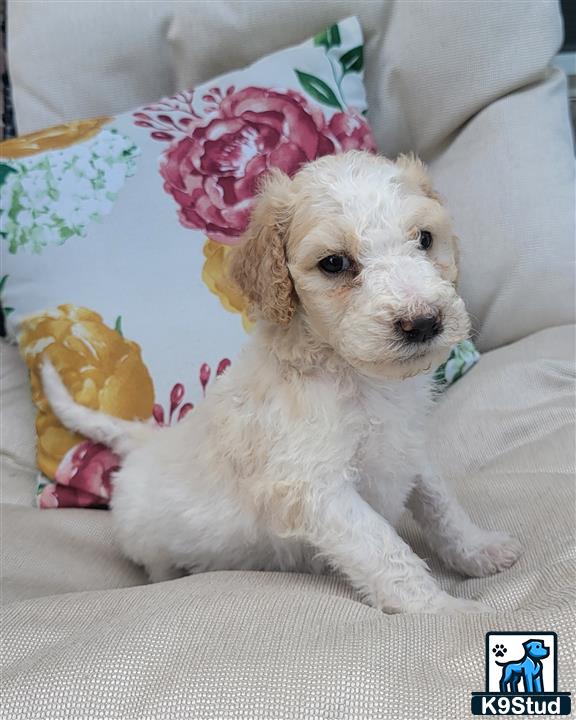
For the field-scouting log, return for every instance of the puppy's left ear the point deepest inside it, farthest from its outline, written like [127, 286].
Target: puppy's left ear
[258, 266]
[415, 173]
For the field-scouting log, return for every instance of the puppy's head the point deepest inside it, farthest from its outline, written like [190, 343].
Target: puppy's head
[363, 250]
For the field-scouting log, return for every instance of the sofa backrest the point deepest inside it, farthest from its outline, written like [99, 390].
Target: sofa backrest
[466, 85]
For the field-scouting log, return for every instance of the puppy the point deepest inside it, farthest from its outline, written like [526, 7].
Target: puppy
[306, 451]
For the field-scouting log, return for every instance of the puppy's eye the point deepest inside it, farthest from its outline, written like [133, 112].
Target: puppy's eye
[425, 239]
[334, 264]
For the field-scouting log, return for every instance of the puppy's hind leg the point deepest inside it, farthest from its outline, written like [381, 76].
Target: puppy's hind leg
[160, 570]
[460, 543]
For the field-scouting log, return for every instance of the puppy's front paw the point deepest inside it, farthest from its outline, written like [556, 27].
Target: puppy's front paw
[491, 553]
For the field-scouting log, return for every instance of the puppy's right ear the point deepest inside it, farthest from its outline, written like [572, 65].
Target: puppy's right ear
[258, 265]
[416, 174]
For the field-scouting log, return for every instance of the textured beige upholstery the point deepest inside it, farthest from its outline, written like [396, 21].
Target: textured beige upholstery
[17, 436]
[267, 645]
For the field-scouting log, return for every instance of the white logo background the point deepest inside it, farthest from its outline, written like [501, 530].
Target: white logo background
[515, 652]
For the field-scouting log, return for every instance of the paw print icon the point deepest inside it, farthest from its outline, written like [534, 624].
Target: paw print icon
[499, 650]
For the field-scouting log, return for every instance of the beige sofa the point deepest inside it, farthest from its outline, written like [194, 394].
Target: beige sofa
[467, 85]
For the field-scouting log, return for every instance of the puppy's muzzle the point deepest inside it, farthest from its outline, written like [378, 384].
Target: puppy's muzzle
[420, 329]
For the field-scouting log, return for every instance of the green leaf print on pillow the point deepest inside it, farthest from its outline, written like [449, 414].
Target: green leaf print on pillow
[463, 356]
[5, 170]
[318, 89]
[353, 60]
[341, 65]
[329, 37]
[48, 198]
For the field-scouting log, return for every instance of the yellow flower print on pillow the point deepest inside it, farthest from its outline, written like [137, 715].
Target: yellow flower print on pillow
[100, 368]
[214, 274]
[53, 138]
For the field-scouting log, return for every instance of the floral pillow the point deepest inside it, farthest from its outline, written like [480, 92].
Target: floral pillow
[115, 233]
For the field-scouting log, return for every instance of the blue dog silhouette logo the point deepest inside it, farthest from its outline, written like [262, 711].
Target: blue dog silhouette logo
[521, 676]
[527, 670]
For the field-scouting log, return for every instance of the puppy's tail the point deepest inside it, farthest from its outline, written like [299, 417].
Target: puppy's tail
[117, 434]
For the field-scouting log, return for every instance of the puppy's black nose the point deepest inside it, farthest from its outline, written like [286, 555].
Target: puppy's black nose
[420, 329]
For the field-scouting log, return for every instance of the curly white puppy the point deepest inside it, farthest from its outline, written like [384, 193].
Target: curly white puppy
[309, 447]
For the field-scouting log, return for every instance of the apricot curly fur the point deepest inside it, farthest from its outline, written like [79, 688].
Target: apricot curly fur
[258, 266]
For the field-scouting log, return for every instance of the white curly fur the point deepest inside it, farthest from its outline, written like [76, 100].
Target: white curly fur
[306, 451]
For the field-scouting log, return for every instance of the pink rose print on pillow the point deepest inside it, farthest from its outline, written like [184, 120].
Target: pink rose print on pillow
[351, 131]
[83, 478]
[214, 162]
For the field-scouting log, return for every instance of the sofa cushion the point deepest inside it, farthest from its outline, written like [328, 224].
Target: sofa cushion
[508, 177]
[513, 417]
[503, 437]
[55, 553]
[257, 646]
[87, 59]
[262, 645]
[17, 437]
